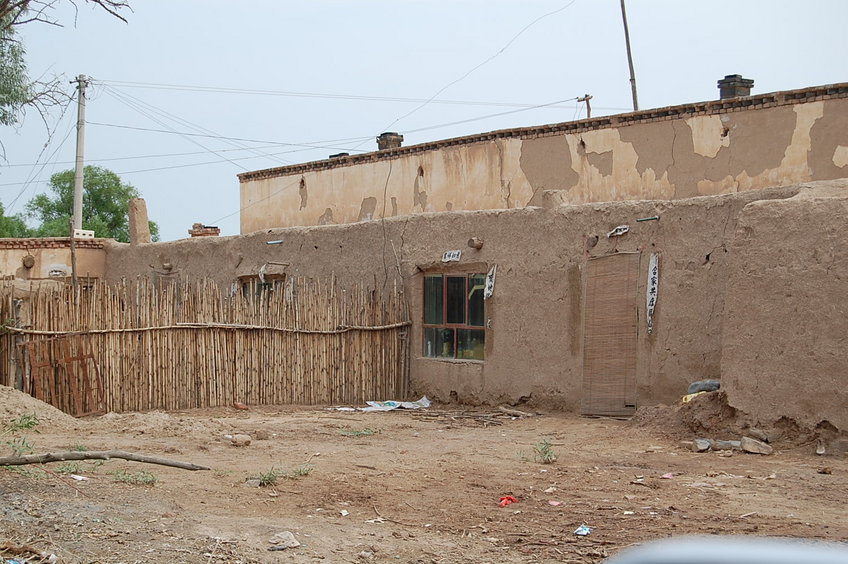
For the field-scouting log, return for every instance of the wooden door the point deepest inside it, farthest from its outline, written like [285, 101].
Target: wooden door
[609, 335]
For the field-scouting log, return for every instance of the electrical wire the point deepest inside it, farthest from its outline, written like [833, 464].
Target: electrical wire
[186, 134]
[484, 117]
[486, 61]
[31, 177]
[222, 90]
[187, 123]
[139, 107]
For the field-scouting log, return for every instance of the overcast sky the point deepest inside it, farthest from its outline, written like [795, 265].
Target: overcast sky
[190, 93]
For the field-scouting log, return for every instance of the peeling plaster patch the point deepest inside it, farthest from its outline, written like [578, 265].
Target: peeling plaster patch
[795, 156]
[840, 156]
[601, 161]
[419, 194]
[547, 163]
[624, 182]
[304, 195]
[367, 209]
[449, 206]
[726, 185]
[326, 218]
[394, 206]
[708, 135]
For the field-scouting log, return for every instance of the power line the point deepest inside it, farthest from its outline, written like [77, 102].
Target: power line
[501, 50]
[191, 125]
[186, 134]
[223, 90]
[484, 117]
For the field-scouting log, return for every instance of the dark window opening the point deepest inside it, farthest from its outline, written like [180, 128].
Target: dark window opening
[454, 316]
[262, 287]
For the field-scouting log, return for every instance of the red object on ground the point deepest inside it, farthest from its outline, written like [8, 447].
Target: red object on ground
[239, 405]
[507, 499]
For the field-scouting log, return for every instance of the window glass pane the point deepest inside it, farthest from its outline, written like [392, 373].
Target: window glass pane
[433, 297]
[470, 344]
[438, 342]
[456, 299]
[476, 311]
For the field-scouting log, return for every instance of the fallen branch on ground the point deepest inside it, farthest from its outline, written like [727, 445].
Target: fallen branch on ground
[96, 455]
[515, 412]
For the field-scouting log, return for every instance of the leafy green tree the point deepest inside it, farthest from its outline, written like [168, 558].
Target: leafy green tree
[104, 205]
[13, 225]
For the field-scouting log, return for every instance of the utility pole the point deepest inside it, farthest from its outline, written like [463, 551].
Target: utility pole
[586, 99]
[629, 58]
[82, 82]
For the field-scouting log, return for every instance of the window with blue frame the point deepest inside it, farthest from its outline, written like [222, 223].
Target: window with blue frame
[454, 316]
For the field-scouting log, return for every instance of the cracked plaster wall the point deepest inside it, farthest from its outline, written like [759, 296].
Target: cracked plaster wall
[660, 159]
[535, 340]
[786, 317]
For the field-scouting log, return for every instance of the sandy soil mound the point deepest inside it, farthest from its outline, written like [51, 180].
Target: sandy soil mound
[14, 404]
[706, 415]
[161, 424]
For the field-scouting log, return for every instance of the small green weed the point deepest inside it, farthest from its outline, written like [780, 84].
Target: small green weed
[543, 453]
[20, 446]
[270, 477]
[69, 468]
[366, 432]
[78, 448]
[140, 478]
[22, 423]
[26, 472]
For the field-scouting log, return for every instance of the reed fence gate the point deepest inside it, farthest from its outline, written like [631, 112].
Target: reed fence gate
[145, 345]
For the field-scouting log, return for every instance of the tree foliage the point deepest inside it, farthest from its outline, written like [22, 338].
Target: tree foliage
[13, 225]
[17, 91]
[104, 205]
[15, 87]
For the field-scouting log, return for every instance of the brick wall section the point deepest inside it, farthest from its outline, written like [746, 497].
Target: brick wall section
[714, 107]
[51, 243]
[200, 230]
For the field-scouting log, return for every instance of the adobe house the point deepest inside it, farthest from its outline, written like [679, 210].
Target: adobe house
[36, 260]
[594, 266]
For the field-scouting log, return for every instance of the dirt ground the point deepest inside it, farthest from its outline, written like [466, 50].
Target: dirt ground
[402, 486]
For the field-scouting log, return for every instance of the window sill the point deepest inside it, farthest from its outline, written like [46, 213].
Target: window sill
[451, 360]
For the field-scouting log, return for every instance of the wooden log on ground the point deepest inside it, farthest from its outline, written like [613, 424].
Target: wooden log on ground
[96, 455]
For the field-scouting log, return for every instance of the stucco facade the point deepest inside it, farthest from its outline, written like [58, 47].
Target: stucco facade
[709, 148]
[50, 258]
[535, 319]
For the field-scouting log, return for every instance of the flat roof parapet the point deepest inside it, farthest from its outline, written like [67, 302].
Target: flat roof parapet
[712, 107]
[51, 243]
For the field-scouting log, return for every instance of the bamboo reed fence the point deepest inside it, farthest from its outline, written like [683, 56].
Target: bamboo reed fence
[187, 345]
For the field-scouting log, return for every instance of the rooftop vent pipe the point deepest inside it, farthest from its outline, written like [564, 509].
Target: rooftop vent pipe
[389, 140]
[733, 86]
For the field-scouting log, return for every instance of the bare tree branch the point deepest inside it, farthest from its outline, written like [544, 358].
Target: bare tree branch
[20, 12]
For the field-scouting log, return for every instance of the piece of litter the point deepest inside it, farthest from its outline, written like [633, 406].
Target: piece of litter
[620, 230]
[582, 531]
[283, 540]
[667, 476]
[554, 503]
[550, 490]
[376, 521]
[79, 478]
[507, 499]
[744, 515]
[629, 513]
[344, 512]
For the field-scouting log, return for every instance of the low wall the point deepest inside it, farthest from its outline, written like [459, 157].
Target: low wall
[534, 335]
[786, 314]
